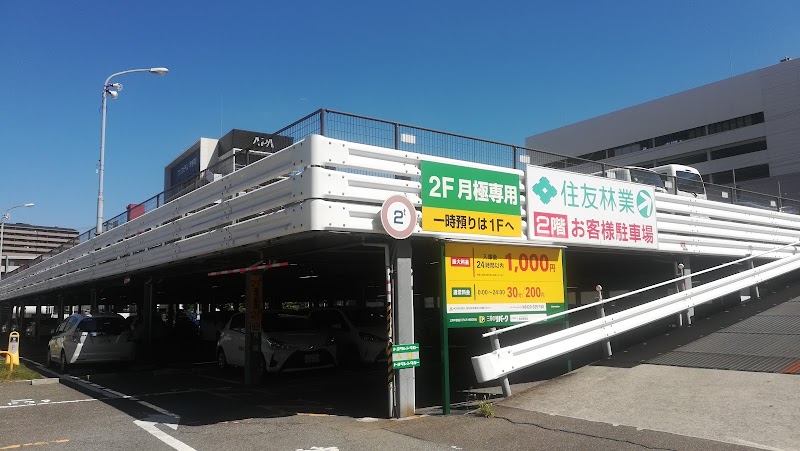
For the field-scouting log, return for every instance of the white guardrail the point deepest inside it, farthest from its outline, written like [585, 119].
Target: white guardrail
[323, 184]
[506, 360]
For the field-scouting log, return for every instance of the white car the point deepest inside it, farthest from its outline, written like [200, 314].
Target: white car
[289, 342]
[360, 333]
[91, 338]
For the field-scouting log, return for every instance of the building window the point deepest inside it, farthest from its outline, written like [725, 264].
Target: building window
[682, 135]
[739, 150]
[721, 178]
[738, 122]
[687, 160]
[594, 156]
[752, 172]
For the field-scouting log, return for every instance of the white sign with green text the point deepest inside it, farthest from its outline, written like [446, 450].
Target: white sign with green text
[571, 208]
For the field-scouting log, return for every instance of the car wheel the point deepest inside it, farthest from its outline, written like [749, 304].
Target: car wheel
[64, 364]
[222, 362]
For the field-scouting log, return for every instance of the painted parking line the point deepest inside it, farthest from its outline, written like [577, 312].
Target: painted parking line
[151, 428]
[48, 403]
[149, 424]
[39, 443]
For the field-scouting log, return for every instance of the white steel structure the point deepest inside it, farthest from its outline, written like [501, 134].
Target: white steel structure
[323, 184]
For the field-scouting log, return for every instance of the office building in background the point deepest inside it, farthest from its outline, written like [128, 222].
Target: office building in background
[742, 131]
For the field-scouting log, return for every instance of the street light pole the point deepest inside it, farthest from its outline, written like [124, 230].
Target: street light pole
[3, 220]
[113, 91]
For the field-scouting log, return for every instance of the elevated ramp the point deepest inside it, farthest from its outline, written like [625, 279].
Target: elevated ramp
[768, 342]
[509, 359]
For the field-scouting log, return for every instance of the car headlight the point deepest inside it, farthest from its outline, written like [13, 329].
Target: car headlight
[277, 344]
[369, 337]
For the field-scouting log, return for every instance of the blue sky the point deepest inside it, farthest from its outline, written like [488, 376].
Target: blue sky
[495, 70]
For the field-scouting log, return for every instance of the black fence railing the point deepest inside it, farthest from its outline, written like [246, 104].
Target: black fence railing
[394, 135]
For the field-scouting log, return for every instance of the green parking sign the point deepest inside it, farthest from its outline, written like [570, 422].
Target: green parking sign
[405, 356]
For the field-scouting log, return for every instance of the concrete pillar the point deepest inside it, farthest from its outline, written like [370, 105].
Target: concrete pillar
[147, 316]
[4, 317]
[10, 310]
[254, 306]
[60, 307]
[21, 317]
[37, 320]
[403, 310]
[93, 299]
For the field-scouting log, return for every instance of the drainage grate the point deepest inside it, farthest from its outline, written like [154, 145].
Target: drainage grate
[787, 308]
[747, 345]
[767, 342]
[723, 361]
[768, 324]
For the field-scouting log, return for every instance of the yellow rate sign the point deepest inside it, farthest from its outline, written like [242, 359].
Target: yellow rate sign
[497, 285]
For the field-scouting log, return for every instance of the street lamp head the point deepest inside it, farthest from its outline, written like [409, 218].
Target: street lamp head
[159, 70]
[28, 205]
[117, 86]
[113, 94]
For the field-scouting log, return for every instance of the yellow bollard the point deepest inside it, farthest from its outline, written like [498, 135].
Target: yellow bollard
[12, 355]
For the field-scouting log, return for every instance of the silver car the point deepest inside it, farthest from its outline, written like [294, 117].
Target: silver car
[91, 338]
[289, 342]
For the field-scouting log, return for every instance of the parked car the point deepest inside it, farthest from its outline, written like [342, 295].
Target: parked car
[46, 326]
[91, 338]
[360, 333]
[289, 342]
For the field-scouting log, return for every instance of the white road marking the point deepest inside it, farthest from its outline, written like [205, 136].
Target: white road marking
[150, 427]
[166, 418]
[320, 448]
[49, 403]
[169, 419]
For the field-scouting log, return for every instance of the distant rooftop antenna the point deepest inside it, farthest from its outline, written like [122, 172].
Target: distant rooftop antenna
[786, 58]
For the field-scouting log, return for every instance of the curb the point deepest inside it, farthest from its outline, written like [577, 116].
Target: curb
[44, 381]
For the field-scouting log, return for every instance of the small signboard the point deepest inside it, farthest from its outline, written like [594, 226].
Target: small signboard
[254, 299]
[467, 200]
[405, 356]
[571, 208]
[398, 217]
[499, 285]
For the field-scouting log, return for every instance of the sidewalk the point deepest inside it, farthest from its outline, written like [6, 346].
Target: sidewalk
[747, 408]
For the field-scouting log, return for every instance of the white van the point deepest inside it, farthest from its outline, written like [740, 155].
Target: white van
[638, 175]
[682, 180]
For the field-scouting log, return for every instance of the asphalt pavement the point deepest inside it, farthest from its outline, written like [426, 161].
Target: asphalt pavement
[202, 409]
[620, 403]
[758, 409]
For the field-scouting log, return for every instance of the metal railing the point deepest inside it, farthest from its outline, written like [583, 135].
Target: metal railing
[505, 360]
[395, 135]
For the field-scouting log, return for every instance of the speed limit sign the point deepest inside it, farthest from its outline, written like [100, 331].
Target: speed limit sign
[398, 216]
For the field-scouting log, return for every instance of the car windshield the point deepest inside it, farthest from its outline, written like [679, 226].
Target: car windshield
[367, 317]
[285, 323]
[104, 325]
[647, 178]
[690, 182]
